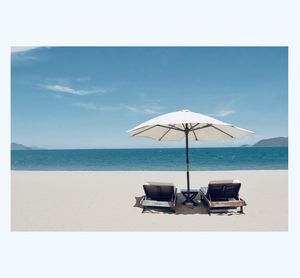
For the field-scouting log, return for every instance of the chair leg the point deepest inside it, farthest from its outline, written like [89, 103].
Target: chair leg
[242, 211]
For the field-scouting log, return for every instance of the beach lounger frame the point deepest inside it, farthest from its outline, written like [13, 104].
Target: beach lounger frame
[222, 195]
[159, 195]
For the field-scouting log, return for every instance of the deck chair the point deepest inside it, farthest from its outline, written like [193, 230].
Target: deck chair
[223, 194]
[159, 195]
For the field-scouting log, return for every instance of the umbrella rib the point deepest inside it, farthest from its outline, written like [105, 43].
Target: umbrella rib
[144, 130]
[208, 125]
[171, 127]
[164, 134]
[194, 132]
[192, 127]
[223, 131]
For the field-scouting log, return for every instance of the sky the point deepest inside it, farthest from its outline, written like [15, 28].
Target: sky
[88, 97]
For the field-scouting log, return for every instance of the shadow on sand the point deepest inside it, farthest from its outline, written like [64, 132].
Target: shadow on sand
[182, 209]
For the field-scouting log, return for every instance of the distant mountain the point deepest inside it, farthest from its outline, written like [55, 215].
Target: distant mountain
[273, 142]
[15, 147]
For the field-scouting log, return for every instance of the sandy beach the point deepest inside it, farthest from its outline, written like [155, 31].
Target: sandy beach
[109, 201]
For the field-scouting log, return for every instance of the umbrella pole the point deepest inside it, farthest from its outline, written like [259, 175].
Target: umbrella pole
[187, 163]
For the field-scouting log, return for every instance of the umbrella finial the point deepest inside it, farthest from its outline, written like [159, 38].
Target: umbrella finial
[185, 110]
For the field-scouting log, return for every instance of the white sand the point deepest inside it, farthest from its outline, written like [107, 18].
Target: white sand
[106, 201]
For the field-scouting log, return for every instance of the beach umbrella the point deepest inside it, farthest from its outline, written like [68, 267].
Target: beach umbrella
[187, 125]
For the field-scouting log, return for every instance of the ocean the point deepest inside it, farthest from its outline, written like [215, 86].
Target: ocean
[251, 158]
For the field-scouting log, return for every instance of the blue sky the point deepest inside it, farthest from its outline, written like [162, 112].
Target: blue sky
[88, 97]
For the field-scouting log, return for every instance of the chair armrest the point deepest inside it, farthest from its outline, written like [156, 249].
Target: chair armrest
[206, 199]
[243, 201]
[143, 198]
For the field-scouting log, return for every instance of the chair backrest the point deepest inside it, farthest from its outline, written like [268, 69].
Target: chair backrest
[223, 189]
[159, 191]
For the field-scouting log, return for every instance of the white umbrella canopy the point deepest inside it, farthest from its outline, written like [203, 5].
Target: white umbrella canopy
[187, 125]
[172, 127]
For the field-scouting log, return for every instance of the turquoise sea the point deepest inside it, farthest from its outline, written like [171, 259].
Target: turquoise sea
[251, 158]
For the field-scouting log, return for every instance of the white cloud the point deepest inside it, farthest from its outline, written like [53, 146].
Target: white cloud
[224, 113]
[91, 106]
[70, 90]
[15, 49]
[150, 111]
[142, 110]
